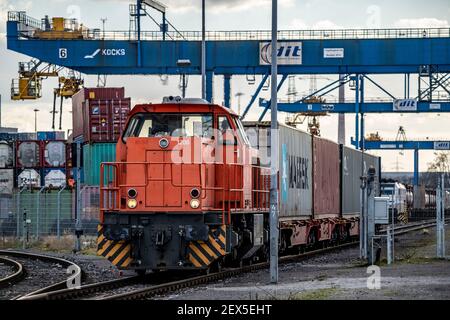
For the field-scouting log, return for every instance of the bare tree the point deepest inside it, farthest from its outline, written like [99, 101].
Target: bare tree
[441, 163]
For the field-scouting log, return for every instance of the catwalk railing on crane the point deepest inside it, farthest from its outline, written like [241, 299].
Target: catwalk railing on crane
[28, 24]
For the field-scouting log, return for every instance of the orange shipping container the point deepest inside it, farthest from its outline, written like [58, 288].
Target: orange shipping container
[326, 171]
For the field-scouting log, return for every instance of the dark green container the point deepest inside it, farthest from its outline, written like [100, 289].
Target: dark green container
[93, 155]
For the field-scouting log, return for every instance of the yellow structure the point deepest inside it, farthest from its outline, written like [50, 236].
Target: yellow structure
[61, 29]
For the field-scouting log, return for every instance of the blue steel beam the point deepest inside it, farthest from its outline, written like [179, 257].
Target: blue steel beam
[263, 114]
[234, 57]
[368, 107]
[405, 145]
[253, 98]
[227, 90]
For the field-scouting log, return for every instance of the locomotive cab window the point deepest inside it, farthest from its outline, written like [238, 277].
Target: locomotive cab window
[174, 125]
[226, 132]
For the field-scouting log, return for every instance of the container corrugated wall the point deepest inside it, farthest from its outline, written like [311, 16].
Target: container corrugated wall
[326, 178]
[93, 156]
[352, 167]
[351, 170]
[295, 173]
[295, 160]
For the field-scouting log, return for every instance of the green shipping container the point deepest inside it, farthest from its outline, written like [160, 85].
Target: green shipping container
[93, 156]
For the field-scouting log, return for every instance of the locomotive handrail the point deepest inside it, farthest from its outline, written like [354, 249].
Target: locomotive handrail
[111, 185]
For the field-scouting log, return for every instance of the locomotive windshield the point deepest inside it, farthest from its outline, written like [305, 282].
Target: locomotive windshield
[166, 124]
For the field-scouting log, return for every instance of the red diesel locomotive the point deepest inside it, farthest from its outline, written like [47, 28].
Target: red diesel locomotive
[188, 191]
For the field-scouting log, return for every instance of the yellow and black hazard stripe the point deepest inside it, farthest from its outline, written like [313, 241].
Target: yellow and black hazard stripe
[403, 217]
[203, 253]
[117, 252]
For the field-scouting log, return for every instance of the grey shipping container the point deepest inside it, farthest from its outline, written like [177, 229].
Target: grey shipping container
[28, 154]
[352, 167]
[6, 181]
[6, 155]
[295, 161]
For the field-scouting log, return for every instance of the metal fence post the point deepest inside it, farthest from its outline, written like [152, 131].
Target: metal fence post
[38, 209]
[18, 212]
[58, 217]
[440, 219]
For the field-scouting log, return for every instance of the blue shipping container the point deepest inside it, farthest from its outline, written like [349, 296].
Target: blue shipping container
[50, 135]
[8, 136]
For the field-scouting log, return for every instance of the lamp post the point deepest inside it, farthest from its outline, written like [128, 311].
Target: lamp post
[104, 21]
[203, 51]
[238, 95]
[35, 119]
[274, 167]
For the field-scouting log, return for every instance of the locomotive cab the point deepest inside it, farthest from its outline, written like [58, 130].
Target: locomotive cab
[183, 173]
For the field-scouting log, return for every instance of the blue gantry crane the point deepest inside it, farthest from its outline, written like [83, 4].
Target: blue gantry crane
[354, 54]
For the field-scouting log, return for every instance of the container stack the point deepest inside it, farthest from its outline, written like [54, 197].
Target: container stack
[99, 117]
[6, 177]
[41, 159]
[28, 162]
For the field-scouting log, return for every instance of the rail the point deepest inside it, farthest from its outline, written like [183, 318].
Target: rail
[246, 35]
[16, 276]
[227, 197]
[76, 270]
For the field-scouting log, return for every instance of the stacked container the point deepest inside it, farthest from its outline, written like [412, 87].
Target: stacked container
[28, 162]
[99, 114]
[6, 168]
[99, 118]
[55, 163]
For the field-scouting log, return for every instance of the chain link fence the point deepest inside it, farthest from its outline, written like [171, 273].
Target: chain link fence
[44, 212]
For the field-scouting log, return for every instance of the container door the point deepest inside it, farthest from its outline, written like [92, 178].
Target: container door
[99, 121]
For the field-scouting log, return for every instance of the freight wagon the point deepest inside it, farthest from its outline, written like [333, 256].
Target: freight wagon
[188, 191]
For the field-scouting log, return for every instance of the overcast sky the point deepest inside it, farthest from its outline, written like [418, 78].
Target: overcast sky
[238, 15]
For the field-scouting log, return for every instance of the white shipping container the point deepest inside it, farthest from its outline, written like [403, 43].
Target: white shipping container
[295, 162]
[55, 154]
[6, 155]
[29, 177]
[55, 179]
[6, 181]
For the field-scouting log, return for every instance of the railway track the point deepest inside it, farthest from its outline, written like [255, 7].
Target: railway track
[133, 289]
[17, 275]
[33, 270]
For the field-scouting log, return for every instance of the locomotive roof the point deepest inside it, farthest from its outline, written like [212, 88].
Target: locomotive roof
[179, 108]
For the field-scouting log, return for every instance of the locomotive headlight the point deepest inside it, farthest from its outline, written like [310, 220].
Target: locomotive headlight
[195, 203]
[132, 203]
[132, 193]
[195, 193]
